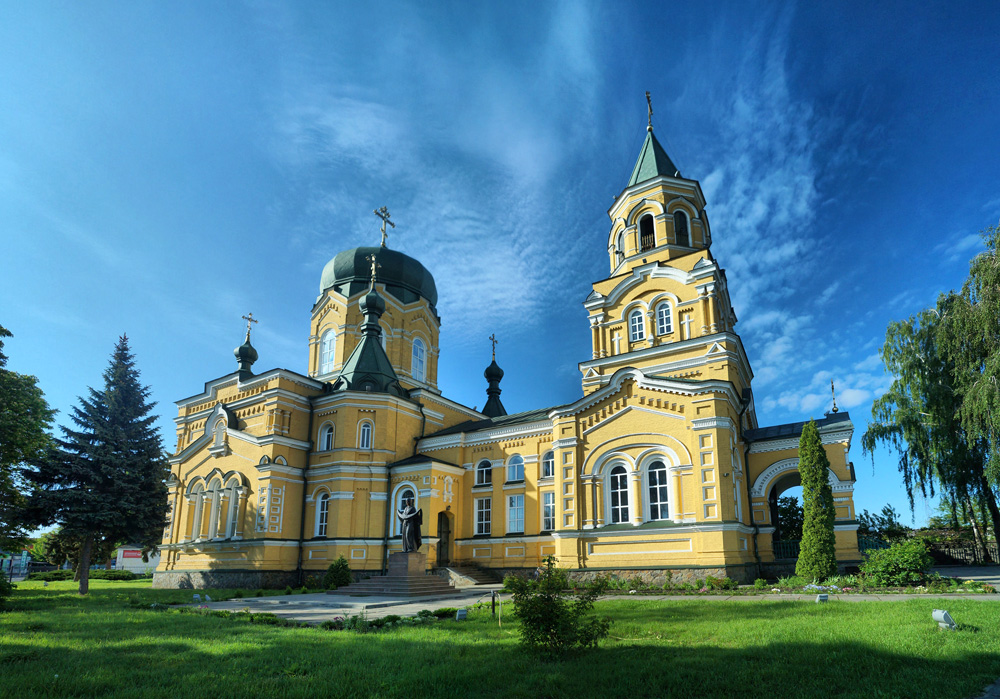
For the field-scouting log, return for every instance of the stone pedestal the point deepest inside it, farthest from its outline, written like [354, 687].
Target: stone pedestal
[409, 565]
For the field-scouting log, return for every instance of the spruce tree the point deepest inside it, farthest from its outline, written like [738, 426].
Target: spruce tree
[103, 482]
[817, 552]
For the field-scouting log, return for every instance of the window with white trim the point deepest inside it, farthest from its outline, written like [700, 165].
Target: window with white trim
[548, 465]
[198, 498]
[618, 489]
[619, 248]
[327, 345]
[636, 328]
[483, 512]
[548, 512]
[322, 513]
[515, 514]
[232, 520]
[681, 228]
[326, 438]
[664, 319]
[659, 491]
[484, 473]
[647, 234]
[417, 361]
[515, 468]
[365, 435]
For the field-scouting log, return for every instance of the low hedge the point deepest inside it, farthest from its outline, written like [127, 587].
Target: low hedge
[56, 575]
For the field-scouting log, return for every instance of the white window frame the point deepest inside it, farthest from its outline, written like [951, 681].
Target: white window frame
[198, 495]
[649, 491]
[636, 326]
[397, 501]
[664, 318]
[484, 472]
[515, 468]
[515, 513]
[325, 431]
[687, 227]
[548, 465]
[618, 513]
[418, 366]
[484, 516]
[548, 511]
[233, 514]
[215, 492]
[327, 351]
[365, 430]
[322, 513]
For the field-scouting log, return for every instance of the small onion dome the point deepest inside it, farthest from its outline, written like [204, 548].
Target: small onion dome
[373, 303]
[245, 353]
[493, 372]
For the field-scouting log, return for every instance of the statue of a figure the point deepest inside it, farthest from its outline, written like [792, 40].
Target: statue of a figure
[410, 518]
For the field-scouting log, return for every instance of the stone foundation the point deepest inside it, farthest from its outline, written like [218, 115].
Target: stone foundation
[245, 579]
[675, 576]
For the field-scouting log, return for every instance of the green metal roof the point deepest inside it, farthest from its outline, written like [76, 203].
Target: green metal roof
[653, 162]
[499, 421]
[405, 278]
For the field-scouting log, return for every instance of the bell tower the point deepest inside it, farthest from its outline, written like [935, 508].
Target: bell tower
[665, 306]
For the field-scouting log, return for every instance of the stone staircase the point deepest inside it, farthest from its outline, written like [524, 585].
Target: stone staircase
[406, 577]
[467, 576]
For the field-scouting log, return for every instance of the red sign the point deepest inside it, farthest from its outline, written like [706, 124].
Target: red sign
[131, 554]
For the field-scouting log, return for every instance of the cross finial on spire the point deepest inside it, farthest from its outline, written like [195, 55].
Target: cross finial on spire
[493, 339]
[249, 319]
[834, 394]
[649, 107]
[375, 266]
[384, 214]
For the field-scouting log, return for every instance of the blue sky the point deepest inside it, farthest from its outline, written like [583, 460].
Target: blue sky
[167, 167]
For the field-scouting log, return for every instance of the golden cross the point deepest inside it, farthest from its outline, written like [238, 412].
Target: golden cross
[493, 339]
[384, 214]
[649, 106]
[249, 319]
[375, 265]
[834, 393]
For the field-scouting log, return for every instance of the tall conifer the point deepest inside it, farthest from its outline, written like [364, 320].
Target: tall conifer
[104, 482]
[817, 552]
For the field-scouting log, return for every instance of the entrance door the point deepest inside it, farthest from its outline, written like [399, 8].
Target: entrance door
[444, 539]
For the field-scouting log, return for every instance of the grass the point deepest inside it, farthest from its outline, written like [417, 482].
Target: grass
[54, 643]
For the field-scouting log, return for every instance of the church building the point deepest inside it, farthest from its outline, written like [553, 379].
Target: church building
[660, 467]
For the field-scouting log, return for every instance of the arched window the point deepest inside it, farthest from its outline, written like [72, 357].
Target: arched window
[681, 229]
[658, 491]
[548, 465]
[647, 236]
[404, 496]
[198, 501]
[365, 435]
[220, 432]
[233, 517]
[515, 468]
[214, 492]
[327, 345]
[322, 513]
[664, 319]
[619, 248]
[326, 438]
[618, 488]
[636, 328]
[417, 362]
[484, 473]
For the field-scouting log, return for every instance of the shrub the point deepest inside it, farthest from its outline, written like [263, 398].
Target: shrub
[313, 582]
[903, 563]
[552, 624]
[52, 575]
[338, 574]
[725, 583]
[258, 593]
[760, 584]
[304, 590]
[445, 612]
[238, 594]
[6, 588]
[288, 590]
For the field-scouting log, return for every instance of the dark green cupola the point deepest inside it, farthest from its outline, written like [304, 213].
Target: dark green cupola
[493, 374]
[653, 162]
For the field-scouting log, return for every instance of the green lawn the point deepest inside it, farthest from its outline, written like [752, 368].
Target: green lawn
[55, 644]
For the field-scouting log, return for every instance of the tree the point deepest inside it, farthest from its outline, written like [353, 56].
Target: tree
[56, 547]
[790, 518]
[24, 420]
[925, 415]
[104, 481]
[884, 525]
[817, 552]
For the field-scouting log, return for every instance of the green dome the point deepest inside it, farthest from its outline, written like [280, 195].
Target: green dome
[350, 273]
